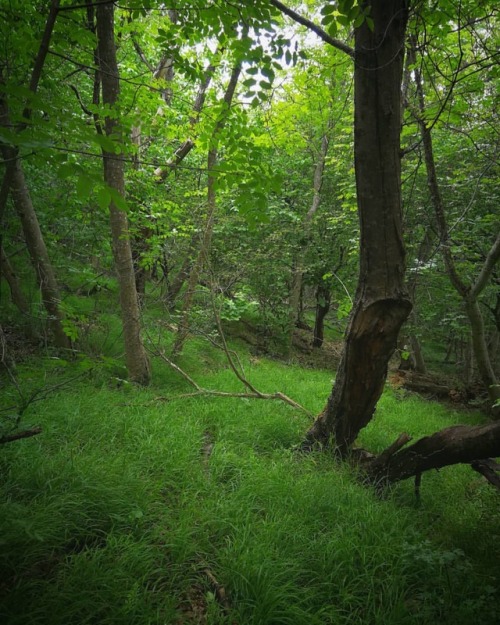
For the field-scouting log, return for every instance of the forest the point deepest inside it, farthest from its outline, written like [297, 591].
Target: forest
[249, 312]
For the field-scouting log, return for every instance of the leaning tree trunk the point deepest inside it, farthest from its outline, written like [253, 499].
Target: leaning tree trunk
[15, 180]
[381, 305]
[37, 250]
[135, 354]
[16, 293]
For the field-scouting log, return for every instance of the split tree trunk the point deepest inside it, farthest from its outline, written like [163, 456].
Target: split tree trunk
[381, 305]
[135, 354]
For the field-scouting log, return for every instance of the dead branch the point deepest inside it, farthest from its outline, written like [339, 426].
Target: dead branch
[490, 469]
[253, 394]
[8, 438]
[459, 444]
[219, 590]
[382, 459]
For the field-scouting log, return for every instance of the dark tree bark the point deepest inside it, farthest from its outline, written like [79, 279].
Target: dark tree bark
[12, 280]
[323, 300]
[135, 354]
[381, 305]
[460, 444]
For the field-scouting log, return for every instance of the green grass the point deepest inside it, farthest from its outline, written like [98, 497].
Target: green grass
[114, 514]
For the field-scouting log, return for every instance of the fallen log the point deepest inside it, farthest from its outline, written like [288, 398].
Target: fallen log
[460, 444]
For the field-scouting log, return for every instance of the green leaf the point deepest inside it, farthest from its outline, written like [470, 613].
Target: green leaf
[268, 73]
[103, 198]
[83, 187]
[327, 9]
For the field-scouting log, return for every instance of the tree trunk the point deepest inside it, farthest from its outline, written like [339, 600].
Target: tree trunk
[15, 180]
[135, 354]
[323, 299]
[206, 241]
[182, 275]
[381, 304]
[12, 280]
[36, 247]
[468, 293]
[298, 264]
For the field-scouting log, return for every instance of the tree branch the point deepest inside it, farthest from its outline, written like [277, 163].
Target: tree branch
[42, 53]
[8, 438]
[489, 264]
[336, 43]
[254, 394]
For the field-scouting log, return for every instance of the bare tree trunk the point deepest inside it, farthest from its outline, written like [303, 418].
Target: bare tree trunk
[135, 354]
[420, 366]
[381, 304]
[323, 299]
[36, 248]
[182, 275]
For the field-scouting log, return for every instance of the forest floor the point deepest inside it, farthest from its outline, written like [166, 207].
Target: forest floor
[149, 506]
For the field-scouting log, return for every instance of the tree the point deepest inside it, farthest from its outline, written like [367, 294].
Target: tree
[382, 304]
[136, 358]
[469, 292]
[14, 178]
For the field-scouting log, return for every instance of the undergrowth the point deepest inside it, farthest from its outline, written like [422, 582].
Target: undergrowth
[137, 507]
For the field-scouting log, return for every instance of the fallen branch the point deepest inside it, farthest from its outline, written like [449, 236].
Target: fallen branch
[459, 444]
[490, 469]
[253, 394]
[219, 590]
[8, 438]
[382, 459]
